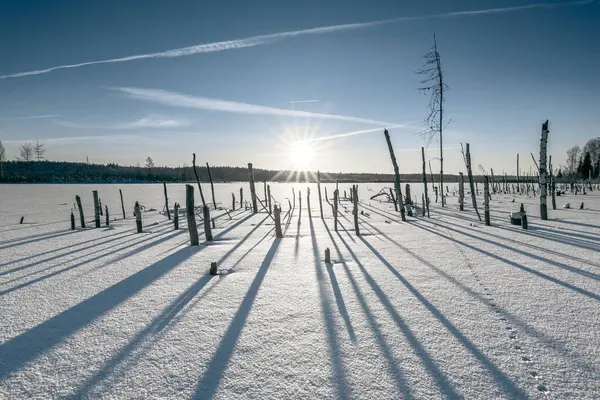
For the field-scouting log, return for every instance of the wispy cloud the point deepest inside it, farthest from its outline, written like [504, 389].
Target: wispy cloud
[152, 123]
[274, 37]
[303, 101]
[353, 133]
[31, 117]
[205, 103]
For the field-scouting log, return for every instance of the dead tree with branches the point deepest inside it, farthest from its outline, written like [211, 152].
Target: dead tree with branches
[435, 87]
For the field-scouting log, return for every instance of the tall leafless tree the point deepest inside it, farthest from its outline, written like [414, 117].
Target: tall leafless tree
[434, 86]
[26, 152]
[39, 150]
[2, 160]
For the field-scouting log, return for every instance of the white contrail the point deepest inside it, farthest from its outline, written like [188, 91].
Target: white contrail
[353, 133]
[303, 101]
[274, 37]
[205, 103]
[32, 117]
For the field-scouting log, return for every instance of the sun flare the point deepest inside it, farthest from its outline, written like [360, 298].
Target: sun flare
[301, 155]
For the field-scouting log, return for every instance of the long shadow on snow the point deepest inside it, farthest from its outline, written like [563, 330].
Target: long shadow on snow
[35, 238]
[501, 379]
[112, 251]
[560, 265]
[395, 373]
[209, 383]
[438, 376]
[514, 264]
[514, 319]
[332, 337]
[18, 351]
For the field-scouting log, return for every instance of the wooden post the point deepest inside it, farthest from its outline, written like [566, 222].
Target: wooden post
[408, 197]
[96, 209]
[425, 181]
[308, 201]
[335, 209]
[423, 204]
[241, 197]
[269, 196]
[232, 201]
[461, 192]
[435, 189]
[266, 197]
[138, 217]
[393, 199]
[277, 215]
[100, 205]
[176, 216]
[518, 179]
[319, 191]
[106, 214]
[524, 224]
[81, 218]
[72, 221]
[326, 197]
[252, 189]
[198, 179]
[212, 186]
[207, 229]
[327, 256]
[355, 209]
[396, 175]
[166, 201]
[293, 199]
[552, 185]
[470, 174]
[486, 200]
[543, 172]
[191, 216]
[300, 200]
[122, 204]
[213, 269]
[493, 181]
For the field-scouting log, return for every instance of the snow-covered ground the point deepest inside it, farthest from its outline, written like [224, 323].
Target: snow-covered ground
[432, 308]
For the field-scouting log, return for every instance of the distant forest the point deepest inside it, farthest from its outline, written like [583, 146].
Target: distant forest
[70, 172]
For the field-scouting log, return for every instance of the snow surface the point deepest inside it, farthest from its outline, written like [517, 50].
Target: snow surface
[433, 308]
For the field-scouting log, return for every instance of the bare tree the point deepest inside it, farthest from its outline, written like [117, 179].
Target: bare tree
[573, 159]
[39, 150]
[435, 87]
[2, 159]
[149, 163]
[26, 152]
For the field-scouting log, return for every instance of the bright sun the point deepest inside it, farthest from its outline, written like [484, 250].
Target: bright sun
[301, 155]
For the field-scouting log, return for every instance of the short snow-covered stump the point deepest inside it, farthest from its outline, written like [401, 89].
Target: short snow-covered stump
[515, 218]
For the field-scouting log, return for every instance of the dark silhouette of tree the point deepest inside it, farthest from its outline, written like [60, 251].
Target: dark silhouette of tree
[39, 150]
[26, 152]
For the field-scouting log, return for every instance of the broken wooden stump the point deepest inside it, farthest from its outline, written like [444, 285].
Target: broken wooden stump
[72, 221]
[191, 216]
[277, 217]
[96, 209]
[176, 216]
[122, 204]
[107, 216]
[81, 218]
[327, 256]
[213, 269]
[207, 228]
[167, 201]
[138, 217]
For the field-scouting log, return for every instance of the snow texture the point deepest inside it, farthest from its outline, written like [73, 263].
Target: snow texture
[440, 307]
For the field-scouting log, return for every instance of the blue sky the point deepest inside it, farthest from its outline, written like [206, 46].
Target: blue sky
[243, 95]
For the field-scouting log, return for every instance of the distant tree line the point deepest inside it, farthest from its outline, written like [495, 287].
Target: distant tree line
[583, 163]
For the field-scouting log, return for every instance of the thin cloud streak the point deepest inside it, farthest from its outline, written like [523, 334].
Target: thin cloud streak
[275, 37]
[303, 101]
[353, 133]
[205, 103]
[31, 117]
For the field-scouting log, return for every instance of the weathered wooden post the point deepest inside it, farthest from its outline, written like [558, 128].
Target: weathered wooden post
[299, 200]
[543, 171]
[166, 201]
[232, 201]
[396, 175]
[327, 256]
[207, 229]
[523, 217]
[122, 204]
[308, 201]
[293, 199]
[319, 191]
[425, 181]
[326, 197]
[266, 197]
[252, 189]
[241, 197]
[96, 209]
[277, 216]
[100, 205]
[138, 217]
[191, 216]
[423, 204]
[335, 209]
[493, 181]
[269, 196]
[198, 179]
[107, 216]
[486, 200]
[81, 218]
[552, 184]
[408, 197]
[213, 269]
[176, 216]
[435, 189]
[212, 186]
[470, 174]
[72, 221]
[355, 209]
[461, 192]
